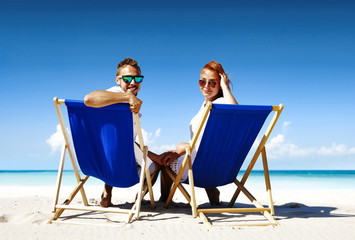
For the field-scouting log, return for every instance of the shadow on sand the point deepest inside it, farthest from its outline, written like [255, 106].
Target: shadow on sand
[290, 210]
[286, 211]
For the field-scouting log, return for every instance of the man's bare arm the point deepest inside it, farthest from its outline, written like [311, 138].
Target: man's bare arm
[101, 98]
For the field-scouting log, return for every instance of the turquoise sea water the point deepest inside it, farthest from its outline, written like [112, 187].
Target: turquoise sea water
[281, 179]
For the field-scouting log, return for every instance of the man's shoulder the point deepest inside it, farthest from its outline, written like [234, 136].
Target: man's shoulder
[118, 89]
[115, 89]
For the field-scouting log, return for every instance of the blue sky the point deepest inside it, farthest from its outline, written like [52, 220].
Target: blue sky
[299, 53]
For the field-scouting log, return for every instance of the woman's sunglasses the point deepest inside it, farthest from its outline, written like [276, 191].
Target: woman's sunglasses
[128, 79]
[211, 83]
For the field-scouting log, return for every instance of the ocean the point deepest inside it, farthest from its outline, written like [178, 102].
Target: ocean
[280, 179]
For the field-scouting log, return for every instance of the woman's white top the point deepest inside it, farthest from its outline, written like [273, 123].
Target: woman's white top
[175, 165]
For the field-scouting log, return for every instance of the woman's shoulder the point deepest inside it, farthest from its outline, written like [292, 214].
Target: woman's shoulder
[219, 100]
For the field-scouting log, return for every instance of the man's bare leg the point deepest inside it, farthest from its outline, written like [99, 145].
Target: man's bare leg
[106, 196]
[165, 184]
[213, 196]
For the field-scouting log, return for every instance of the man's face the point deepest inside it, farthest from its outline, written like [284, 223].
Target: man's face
[131, 87]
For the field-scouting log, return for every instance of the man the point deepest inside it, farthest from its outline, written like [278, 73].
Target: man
[129, 80]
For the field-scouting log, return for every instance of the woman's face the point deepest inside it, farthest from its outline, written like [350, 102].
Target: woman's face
[210, 84]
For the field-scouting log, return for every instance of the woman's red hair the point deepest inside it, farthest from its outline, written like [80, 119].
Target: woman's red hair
[216, 67]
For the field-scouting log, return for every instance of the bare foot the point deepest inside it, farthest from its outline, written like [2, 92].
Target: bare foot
[105, 201]
[106, 196]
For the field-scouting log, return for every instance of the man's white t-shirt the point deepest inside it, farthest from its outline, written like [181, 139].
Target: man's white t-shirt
[137, 151]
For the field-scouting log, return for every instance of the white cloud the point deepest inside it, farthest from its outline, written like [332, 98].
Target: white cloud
[285, 126]
[56, 140]
[149, 137]
[162, 148]
[280, 147]
[336, 149]
[286, 123]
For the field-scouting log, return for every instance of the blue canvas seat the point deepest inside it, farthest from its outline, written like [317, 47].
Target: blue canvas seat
[103, 141]
[230, 131]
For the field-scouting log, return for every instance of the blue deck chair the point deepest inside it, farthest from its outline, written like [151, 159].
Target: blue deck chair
[230, 131]
[104, 148]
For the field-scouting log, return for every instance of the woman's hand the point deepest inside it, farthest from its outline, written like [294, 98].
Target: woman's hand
[224, 81]
[227, 94]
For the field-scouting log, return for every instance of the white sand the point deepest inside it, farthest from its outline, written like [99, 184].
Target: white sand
[303, 214]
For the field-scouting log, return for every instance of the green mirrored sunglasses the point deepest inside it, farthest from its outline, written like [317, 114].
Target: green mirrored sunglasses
[128, 79]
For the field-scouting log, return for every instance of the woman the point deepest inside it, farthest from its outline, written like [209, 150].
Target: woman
[214, 86]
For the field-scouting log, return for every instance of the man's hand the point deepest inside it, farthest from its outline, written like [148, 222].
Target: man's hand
[135, 103]
[167, 157]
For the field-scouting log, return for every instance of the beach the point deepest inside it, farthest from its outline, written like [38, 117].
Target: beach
[303, 213]
[168, 59]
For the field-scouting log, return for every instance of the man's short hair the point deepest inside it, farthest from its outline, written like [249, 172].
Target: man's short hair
[128, 61]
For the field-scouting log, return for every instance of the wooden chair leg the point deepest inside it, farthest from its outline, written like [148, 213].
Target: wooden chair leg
[59, 177]
[267, 214]
[140, 191]
[177, 181]
[181, 188]
[150, 188]
[70, 198]
[192, 188]
[149, 180]
[267, 181]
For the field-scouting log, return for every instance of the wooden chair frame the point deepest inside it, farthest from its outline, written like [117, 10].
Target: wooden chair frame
[268, 212]
[58, 209]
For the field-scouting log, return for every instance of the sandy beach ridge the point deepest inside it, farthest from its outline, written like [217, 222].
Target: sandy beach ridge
[303, 214]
